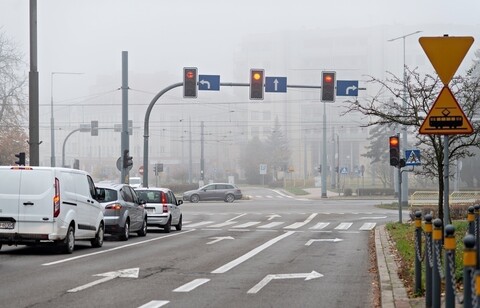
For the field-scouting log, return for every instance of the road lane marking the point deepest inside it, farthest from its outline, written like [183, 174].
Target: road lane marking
[191, 285]
[344, 226]
[219, 238]
[223, 224]
[198, 224]
[320, 225]
[225, 268]
[334, 240]
[268, 278]
[301, 224]
[368, 226]
[116, 248]
[247, 224]
[240, 215]
[271, 225]
[154, 304]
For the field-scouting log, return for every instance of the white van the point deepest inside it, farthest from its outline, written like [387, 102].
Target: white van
[135, 182]
[48, 204]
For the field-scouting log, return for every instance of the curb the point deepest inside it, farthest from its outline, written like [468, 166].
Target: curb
[393, 292]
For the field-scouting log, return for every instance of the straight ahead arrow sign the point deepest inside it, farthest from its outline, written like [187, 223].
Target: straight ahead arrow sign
[268, 278]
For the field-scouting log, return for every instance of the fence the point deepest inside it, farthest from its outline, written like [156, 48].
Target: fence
[422, 198]
[438, 273]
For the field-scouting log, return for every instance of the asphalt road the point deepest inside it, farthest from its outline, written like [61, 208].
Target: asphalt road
[270, 251]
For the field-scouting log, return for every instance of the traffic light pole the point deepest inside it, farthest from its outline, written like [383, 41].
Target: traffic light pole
[179, 84]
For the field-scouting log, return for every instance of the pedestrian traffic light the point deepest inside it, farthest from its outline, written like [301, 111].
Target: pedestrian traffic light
[94, 128]
[189, 82]
[127, 159]
[328, 86]
[257, 80]
[394, 151]
[21, 159]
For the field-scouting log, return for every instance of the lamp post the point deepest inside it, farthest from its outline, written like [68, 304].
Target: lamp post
[404, 179]
[52, 121]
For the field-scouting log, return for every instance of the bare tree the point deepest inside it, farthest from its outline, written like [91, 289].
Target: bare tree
[387, 108]
[13, 101]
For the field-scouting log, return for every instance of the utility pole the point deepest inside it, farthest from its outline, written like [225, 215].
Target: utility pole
[125, 137]
[34, 136]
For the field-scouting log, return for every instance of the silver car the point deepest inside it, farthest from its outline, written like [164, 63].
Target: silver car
[215, 191]
[163, 208]
[123, 211]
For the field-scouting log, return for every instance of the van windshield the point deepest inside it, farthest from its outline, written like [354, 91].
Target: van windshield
[135, 181]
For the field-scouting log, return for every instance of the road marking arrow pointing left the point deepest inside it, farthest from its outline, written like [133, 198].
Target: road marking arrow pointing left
[268, 278]
[127, 273]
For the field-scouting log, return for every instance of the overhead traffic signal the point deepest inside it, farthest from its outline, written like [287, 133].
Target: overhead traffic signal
[190, 82]
[127, 159]
[257, 81]
[94, 128]
[328, 86]
[394, 142]
[21, 159]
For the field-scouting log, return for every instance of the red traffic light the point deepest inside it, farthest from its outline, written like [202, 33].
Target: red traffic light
[328, 78]
[394, 141]
[190, 82]
[190, 74]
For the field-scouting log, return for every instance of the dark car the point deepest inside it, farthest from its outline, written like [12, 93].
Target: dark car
[123, 211]
[163, 208]
[214, 191]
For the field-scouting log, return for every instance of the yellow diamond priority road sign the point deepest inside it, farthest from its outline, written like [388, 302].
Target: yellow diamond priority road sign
[446, 117]
[446, 53]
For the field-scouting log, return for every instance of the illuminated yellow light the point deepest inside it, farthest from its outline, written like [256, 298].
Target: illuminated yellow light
[257, 76]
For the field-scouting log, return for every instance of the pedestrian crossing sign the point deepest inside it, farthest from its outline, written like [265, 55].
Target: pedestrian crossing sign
[412, 158]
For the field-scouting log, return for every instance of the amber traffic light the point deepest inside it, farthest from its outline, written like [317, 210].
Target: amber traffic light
[257, 80]
[394, 151]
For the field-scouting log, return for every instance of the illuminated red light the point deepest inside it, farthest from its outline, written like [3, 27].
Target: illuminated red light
[190, 74]
[328, 78]
[393, 141]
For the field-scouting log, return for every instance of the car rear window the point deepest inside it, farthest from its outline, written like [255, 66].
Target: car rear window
[149, 196]
[110, 194]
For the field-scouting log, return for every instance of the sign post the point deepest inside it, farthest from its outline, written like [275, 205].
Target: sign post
[446, 117]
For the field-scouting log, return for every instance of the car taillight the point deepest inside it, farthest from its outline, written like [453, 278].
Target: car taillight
[56, 199]
[113, 206]
[165, 208]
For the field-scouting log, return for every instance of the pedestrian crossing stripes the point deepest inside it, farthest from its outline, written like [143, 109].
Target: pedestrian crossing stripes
[277, 225]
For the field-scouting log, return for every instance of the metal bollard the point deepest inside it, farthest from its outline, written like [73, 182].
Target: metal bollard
[469, 263]
[437, 248]
[477, 232]
[429, 260]
[471, 220]
[418, 252]
[450, 246]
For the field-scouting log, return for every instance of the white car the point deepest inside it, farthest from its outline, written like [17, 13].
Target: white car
[163, 208]
[49, 205]
[135, 182]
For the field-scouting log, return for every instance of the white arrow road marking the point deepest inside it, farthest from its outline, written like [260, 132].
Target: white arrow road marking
[225, 268]
[300, 224]
[154, 304]
[191, 285]
[351, 88]
[268, 278]
[335, 240]
[126, 273]
[270, 217]
[219, 238]
[205, 82]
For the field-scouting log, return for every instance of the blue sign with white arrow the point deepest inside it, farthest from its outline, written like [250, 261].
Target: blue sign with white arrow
[209, 82]
[276, 84]
[412, 158]
[347, 87]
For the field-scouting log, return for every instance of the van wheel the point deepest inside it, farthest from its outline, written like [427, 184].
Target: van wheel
[126, 231]
[98, 241]
[143, 231]
[179, 225]
[69, 242]
[168, 227]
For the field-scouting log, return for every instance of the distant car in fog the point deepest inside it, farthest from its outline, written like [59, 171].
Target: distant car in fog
[163, 208]
[123, 211]
[135, 182]
[215, 191]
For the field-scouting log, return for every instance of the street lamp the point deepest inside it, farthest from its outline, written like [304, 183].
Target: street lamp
[404, 194]
[52, 121]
